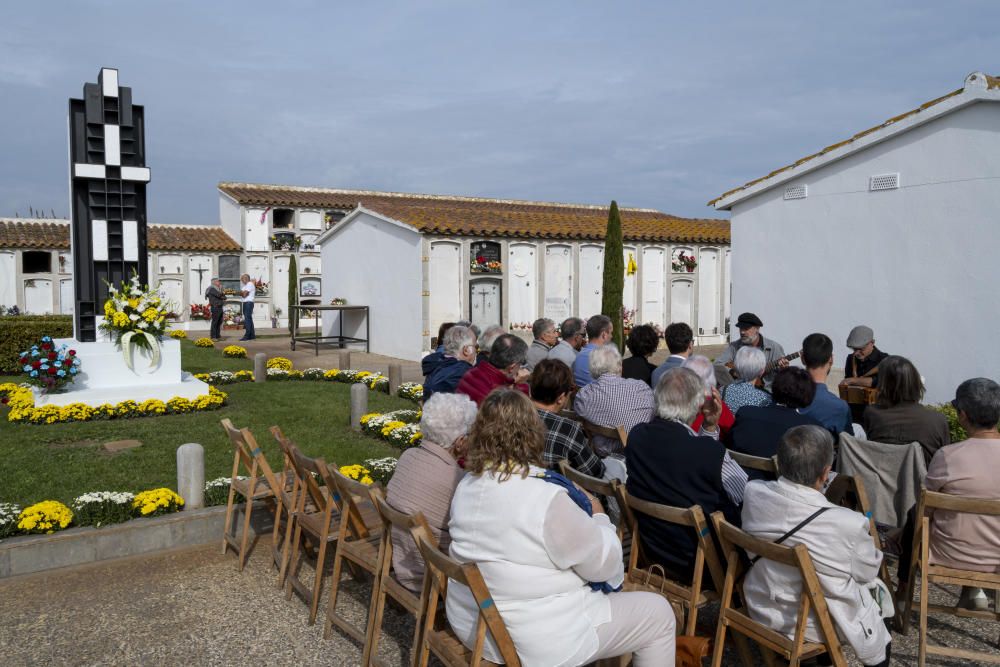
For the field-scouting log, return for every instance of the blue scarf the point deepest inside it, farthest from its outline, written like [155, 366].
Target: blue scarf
[583, 502]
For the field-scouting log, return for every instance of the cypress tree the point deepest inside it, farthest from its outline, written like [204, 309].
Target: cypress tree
[293, 293]
[613, 286]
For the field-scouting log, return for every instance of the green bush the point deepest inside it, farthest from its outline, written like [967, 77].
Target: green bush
[955, 429]
[19, 332]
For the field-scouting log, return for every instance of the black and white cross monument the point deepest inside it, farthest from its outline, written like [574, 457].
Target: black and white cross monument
[108, 176]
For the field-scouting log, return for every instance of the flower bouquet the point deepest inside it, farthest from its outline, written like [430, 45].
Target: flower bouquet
[482, 265]
[49, 367]
[135, 315]
[201, 311]
[338, 301]
[684, 263]
[261, 286]
[358, 473]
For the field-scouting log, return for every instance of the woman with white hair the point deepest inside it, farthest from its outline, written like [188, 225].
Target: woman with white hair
[704, 369]
[749, 364]
[426, 477]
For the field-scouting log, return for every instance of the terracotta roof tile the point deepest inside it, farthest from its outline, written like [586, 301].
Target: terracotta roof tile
[472, 216]
[54, 234]
[992, 82]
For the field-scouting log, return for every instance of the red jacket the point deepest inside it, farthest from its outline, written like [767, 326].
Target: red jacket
[726, 421]
[484, 378]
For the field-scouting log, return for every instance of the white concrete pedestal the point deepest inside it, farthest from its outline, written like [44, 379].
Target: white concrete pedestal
[105, 378]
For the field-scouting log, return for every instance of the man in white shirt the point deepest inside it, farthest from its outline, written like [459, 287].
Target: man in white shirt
[248, 290]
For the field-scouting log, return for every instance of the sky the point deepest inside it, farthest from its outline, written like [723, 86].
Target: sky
[653, 104]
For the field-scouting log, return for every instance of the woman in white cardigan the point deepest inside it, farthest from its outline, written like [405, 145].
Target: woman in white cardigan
[537, 550]
[838, 541]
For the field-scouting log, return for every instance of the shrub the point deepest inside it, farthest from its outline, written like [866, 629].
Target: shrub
[156, 502]
[21, 332]
[234, 352]
[178, 334]
[47, 516]
[955, 429]
[101, 508]
[280, 363]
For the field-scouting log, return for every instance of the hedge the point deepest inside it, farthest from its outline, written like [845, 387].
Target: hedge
[19, 332]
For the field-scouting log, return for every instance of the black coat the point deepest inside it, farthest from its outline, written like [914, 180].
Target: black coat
[757, 431]
[668, 465]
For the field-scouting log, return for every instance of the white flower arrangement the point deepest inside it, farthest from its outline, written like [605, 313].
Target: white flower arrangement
[99, 508]
[217, 490]
[413, 391]
[405, 436]
[313, 373]
[381, 469]
[8, 519]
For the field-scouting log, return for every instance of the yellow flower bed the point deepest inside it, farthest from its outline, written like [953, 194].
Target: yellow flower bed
[157, 501]
[21, 402]
[392, 426]
[357, 472]
[178, 334]
[281, 363]
[204, 342]
[47, 516]
[234, 352]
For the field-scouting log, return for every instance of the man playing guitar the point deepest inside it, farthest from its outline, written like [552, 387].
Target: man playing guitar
[749, 326]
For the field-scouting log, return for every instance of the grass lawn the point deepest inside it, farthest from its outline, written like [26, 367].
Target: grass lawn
[62, 461]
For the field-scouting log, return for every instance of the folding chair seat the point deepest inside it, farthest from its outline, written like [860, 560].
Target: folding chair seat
[766, 465]
[385, 583]
[359, 535]
[261, 483]
[736, 542]
[939, 574]
[441, 640]
[318, 523]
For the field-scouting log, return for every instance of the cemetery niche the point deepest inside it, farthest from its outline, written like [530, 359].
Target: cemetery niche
[486, 257]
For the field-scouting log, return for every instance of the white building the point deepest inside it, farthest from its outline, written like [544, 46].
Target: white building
[413, 259]
[895, 227]
[36, 265]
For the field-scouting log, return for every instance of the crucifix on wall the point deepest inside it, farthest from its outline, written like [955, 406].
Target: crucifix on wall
[200, 270]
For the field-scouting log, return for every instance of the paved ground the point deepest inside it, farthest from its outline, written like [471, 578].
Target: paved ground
[192, 607]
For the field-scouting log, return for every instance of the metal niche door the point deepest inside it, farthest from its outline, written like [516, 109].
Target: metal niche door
[484, 302]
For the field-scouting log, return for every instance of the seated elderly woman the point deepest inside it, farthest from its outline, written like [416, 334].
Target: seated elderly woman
[642, 343]
[838, 541]
[704, 369]
[611, 400]
[537, 549]
[426, 477]
[749, 364]
[671, 464]
[898, 418]
[757, 431]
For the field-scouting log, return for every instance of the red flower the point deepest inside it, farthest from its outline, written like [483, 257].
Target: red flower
[72, 353]
[53, 370]
[480, 259]
[4, 400]
[36, 364]
[52, 356]
[24, 360]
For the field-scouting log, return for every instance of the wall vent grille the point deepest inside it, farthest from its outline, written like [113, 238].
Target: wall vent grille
[883, 182]
[797, 192]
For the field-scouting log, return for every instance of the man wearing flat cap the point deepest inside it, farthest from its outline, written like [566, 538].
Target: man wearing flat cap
[749, 326]
[861, 367]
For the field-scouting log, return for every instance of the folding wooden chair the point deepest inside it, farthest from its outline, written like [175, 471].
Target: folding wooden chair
[318, 522]
[261, 484]
[385, 583]
[931, 573]
[691, 596]
[358, 539]
[794, 650]
[616, 433]
[599, 487]
[769, 465]
[444, 643]
[849, 491]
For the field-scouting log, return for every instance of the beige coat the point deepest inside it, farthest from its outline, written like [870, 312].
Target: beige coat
[842, 552]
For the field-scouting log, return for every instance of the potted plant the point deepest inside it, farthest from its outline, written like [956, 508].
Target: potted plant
[274, 318]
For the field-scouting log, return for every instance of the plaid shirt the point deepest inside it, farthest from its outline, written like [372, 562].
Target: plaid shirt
[565, 439]
[613, 401]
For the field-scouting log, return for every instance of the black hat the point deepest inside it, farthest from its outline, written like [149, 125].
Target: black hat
[747, 320]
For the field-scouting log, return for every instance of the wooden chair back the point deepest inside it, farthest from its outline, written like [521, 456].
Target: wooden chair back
[735, 544]
[849, 491]
[443, 642]
[767, 465]
[931, 501]
[617, 433]
[691, 596]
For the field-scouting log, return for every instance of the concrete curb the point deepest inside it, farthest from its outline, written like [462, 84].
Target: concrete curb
[78, 546]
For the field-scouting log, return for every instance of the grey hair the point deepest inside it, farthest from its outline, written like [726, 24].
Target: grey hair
[750, 363]
[541, 325]
[467, 323]
[679, 395]
[702, 367]
[214, 278]
[489, 336]
[508, 349]
[979, 399]
[447, 417]
[605, 360]
[803, 453]
[571, 326]
[456, 338]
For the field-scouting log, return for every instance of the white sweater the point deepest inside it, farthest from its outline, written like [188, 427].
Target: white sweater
[536, 550]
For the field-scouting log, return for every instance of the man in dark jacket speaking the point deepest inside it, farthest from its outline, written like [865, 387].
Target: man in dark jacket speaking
[216, 300]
